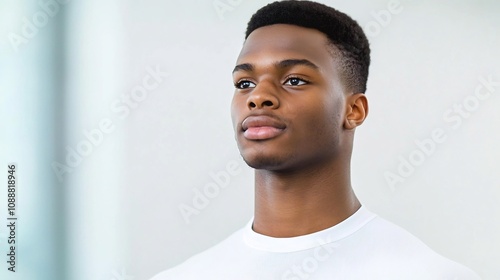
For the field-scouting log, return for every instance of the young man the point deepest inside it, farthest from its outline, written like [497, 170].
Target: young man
[300, 81]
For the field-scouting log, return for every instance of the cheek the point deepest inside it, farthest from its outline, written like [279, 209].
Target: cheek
[235, 110]
[322, 121]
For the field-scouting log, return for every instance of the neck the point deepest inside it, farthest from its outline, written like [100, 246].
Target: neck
[289, 204]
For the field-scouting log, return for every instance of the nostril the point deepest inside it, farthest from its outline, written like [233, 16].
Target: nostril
[252, 105]
[267, 103]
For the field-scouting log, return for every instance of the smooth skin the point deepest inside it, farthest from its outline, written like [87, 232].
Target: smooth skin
[294, 121]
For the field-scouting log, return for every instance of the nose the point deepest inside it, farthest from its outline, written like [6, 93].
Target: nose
[263, 97]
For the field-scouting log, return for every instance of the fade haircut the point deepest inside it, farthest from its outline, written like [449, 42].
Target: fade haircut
[347, 41]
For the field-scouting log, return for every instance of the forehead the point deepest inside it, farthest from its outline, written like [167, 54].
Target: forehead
[271, 43]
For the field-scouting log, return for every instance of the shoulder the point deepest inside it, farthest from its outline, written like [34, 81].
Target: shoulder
[396, 251]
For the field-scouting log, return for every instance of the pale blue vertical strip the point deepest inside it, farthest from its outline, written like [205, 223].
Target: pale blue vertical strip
[30, 100]
[93, 142]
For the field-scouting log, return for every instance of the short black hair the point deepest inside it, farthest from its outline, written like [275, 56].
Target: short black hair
[344, 34]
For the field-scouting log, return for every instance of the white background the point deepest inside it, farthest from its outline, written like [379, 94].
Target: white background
[116, 215]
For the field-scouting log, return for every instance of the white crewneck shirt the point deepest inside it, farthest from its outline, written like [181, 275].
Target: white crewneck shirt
[362, 247]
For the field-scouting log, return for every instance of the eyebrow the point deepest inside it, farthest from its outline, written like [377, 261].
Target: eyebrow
[248, 67]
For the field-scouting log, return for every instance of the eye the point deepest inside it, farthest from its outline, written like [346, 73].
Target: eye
[294, 81]
[244, 84]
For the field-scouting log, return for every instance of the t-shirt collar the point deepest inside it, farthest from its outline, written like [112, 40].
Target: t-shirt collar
[291, 244]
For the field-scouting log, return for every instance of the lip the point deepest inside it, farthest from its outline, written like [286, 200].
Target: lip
[262, 127]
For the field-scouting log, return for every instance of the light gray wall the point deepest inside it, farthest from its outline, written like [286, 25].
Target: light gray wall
[427, 58]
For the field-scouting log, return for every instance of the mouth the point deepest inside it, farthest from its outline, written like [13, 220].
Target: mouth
[262, 127]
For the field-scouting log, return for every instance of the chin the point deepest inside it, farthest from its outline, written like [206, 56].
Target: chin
[266, 162]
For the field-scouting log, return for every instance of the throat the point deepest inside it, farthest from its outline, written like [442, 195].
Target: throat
[289, 206]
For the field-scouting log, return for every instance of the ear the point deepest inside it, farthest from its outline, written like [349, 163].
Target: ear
[356, 110]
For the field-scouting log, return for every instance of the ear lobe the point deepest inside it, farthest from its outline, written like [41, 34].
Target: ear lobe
[356, 110]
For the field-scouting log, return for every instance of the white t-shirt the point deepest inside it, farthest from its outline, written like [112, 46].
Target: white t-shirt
[364, 247]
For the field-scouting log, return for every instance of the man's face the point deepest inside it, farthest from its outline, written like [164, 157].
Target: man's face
[288, 105]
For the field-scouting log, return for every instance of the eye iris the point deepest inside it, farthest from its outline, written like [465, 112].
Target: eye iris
[294, 81]
[245, 84]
